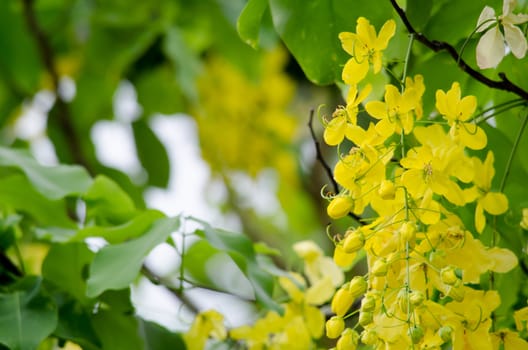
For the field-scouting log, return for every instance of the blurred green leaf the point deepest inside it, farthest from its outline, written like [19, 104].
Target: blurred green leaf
[158, 91]
[66, 266]
[75, 325]
[152, 154]
[240, 248]
[27, 315]
[248, 24]
[418, 13]
[20, 62]
[53, 182]
[120, 233]
[157, 337]
[106, 202]
[116, 266]
[115, 323]
[185, 61]
[17, 193]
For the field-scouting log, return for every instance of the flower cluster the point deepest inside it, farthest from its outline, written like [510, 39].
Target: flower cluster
[300, 325]
[237, 119]
[407, 177]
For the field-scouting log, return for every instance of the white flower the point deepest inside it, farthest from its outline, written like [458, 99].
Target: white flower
[491, 47]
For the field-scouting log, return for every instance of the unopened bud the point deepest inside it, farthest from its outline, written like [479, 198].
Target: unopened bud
[334, 327]
[365, 318]
[339, 207]
[445, 333]
[416, 333]
[387, 190]
[357, 286]
[348, 340]
[342, 301]
[408, 232]
[448, 275]
[369, 337]
[354, 241]
[416, 298]
[379, 268]
[368, 303]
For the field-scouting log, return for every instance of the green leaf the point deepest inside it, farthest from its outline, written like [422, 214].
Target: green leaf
[66, 266]
[116, 266]
[17, 193]
[185, 61]
[75, 325]
[53, 182]
[157, 337]
[158, 91]
[115, 323]
[300, 25]
[106, 202]
[117, 234]
[240, 249]
[152, 154]
[27, 316]
[418, 12]
[248, 24]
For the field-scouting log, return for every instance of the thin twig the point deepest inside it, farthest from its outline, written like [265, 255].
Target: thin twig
[319, 154]
[63, 113]
[504, 84]
[324, 164]
[158, 281]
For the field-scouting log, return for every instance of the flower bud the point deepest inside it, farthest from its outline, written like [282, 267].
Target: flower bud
[368, 303]
[416, 333]
[448, 275]
[357, 286]
[339, 207]
[369, 337]
[334, 327]
[456, 291]
[354, 241]
[524, 221]
[379, 268]
[348, 341]
[408, 232]
[387, 190]
[445, 333]
[416, 298]
[403, 300]
[342, 301]
[365, 318]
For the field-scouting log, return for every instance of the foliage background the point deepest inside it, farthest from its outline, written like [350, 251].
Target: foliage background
[249, 74]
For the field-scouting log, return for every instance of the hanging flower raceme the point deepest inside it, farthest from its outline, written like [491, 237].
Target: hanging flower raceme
[366, 48]
[491, 47]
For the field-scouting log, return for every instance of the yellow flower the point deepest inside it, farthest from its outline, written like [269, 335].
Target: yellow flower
[395, 113]
[206, 324]
[494, 203]
[524, 221]
[366, 48]
[343, 118]
[457, 111]
[491, 46]
[509, 340]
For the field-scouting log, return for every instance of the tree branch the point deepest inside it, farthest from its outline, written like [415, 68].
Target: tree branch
[324, 164]
[504, 84]
[63, 113]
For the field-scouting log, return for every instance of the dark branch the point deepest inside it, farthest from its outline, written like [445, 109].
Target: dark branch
[46, 55]
[319, 154]
[504, 84]
[324, 164]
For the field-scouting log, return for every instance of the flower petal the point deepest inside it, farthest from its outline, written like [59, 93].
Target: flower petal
[485, 18]
[516, 40]
[495, 203]
[354, 71]
[377, 109]
[490, 49]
